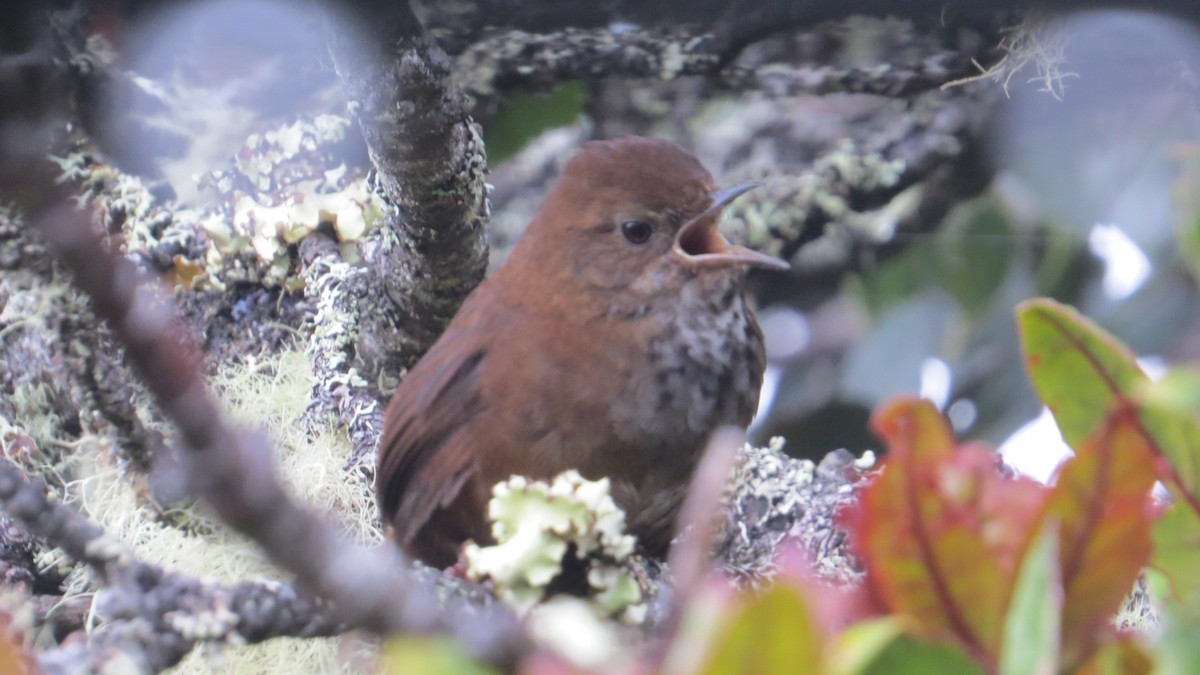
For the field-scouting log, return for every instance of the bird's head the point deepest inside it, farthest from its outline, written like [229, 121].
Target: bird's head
[636, 215]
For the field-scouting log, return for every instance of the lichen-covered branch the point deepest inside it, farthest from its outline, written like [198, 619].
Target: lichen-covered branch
[233, 470]
[54, 349]
[775, 500]
[152, 617]
[464, 22]
[430, 164]
[857, 197]
[517, 60]
[337, 289]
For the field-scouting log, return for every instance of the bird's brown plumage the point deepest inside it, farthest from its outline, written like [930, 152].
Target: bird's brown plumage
[584, 351]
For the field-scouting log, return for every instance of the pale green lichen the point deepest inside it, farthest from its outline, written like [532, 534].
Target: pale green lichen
[673, 61]
[281, 186]
[767, 218]
[534, 524]
[863, 170]
[296, 187]
[295, 184]
[272, 393]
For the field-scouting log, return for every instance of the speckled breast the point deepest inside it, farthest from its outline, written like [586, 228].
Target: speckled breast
[707, 362]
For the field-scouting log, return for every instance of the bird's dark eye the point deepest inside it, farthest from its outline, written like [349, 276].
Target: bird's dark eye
[637, 231]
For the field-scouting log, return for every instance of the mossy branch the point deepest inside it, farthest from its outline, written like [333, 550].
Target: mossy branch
[430, 164]
[154, 617]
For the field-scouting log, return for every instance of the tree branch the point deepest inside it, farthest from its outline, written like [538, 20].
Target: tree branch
[430, 164]
[516, 60]
[155, 617]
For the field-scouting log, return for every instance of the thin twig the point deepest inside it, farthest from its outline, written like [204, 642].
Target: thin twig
[698, 523]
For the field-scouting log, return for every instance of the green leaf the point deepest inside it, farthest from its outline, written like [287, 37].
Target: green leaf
[1077, 368]
[1177, 651]
[973, 250]
[1185, 197]
[1178, 390]
[1177, 553]
[1169, 411]
[525, 115]
[884, 647]
[1176, 437]
[1033, 624]
[1118, 657]
[772, 633]
[860, 644]
[428, 656]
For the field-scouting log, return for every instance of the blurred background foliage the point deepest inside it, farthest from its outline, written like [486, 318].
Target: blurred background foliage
[1095, 204]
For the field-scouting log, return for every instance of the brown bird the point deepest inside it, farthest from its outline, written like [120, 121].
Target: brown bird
[613, 341]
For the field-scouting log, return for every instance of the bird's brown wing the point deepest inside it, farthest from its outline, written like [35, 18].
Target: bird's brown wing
[426, 454]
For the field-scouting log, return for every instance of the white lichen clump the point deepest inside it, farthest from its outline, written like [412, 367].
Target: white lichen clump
[571, 628]
[283, 185]
[534, 524]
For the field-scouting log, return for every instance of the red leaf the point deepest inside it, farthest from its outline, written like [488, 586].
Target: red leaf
[941, 531]
[1101, 503]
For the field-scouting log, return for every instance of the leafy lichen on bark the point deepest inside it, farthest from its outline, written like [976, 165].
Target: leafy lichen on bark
[339, 290]
[776, 500]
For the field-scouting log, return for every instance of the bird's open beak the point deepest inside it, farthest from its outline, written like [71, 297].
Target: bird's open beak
[700, 243]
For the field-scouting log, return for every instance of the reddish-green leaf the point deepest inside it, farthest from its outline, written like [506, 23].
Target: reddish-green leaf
[771, 633]
[940, 531]
[1119, 657]
[914, 430]
[1082, 373]
[1169, 411]
[1101, 505]
[1078, 369]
